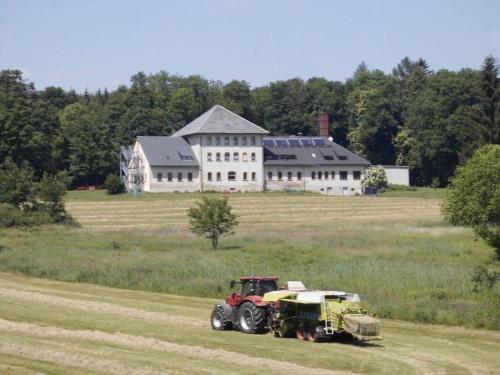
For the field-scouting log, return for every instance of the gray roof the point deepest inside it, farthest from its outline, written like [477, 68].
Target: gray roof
[329, 153]
[167, 151]
[219, 120]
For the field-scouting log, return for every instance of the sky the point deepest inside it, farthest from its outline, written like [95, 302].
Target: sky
[91, 44]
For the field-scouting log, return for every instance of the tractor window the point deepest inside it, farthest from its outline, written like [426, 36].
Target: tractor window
[264, 287]
[247, 289]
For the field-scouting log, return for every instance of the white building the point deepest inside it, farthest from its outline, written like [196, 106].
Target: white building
[397, 174]
[222, 151]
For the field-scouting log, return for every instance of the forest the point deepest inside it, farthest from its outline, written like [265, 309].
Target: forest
[429, 120]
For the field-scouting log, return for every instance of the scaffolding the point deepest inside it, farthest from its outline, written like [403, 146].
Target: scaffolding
[131, 170]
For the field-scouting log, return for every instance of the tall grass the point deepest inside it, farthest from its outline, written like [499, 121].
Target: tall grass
[417, 271]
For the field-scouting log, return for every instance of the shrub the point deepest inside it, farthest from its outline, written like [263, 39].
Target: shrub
[11, 216]
[375, 177]
[114, 185]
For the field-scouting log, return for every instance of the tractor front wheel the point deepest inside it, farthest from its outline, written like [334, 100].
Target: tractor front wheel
[218, 320]
[251, 319]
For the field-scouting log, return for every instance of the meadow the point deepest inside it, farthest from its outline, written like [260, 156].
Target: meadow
[53, 327]
[395, 250]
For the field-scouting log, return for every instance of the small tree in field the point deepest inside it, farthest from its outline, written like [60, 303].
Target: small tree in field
[375, 177]
[212, 219]
[473, 199]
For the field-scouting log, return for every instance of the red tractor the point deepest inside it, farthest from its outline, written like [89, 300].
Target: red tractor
[245, 310]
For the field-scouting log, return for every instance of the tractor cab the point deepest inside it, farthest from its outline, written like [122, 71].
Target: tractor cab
[252, 286]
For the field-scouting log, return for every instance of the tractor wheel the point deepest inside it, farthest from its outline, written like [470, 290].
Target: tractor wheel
[251, 319]
[218, 320]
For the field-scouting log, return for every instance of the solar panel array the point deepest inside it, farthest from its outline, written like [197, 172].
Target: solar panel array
[286, 142]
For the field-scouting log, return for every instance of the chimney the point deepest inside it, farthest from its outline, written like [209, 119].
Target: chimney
[323, 130]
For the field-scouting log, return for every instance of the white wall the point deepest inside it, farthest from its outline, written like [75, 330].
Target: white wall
[203, 148]
[165, 186]
[397, 175]
[329, 186]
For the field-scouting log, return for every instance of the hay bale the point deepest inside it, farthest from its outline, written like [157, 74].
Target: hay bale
[363, 325]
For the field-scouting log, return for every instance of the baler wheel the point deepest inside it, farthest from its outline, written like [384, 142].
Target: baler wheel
[301, 333]
[312, 335]
[251, 319]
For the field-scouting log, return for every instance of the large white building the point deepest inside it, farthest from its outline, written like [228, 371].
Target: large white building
[222, 151]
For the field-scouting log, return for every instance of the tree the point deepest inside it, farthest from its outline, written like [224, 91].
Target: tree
[473, 199]
[212, 219]
[485, 127]
[16, 185]
[51, 191]
[182, 108]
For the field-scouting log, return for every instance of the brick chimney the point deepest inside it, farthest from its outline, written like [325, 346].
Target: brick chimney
[323, 130]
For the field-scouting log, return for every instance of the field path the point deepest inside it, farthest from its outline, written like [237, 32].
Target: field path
[60, 328]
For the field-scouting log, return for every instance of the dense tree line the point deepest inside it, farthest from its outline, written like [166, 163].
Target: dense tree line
[431, 121]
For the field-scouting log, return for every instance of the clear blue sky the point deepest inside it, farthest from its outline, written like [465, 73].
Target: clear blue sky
[95, 44]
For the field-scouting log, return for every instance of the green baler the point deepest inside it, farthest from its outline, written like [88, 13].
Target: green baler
[320, 315]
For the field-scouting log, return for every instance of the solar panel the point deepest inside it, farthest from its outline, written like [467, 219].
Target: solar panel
[281, 142]
[306, 142]
[319, 141]
[294, 142]
[269, 142]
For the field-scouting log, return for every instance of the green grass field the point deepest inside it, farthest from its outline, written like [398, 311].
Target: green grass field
[52, 327]
[397, 252]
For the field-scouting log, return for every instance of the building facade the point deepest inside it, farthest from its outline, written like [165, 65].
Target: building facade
[221, 151]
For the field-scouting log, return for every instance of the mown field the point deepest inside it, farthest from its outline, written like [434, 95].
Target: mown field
[398, 253]
[52, 327]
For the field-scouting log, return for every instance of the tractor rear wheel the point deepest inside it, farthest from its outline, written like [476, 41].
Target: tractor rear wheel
[251, 319]
[218, 320]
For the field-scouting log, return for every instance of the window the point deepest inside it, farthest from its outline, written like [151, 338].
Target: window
[320, 175]
[209, 176]
[209, 156]
[269, 175]
[179, 176]
[236, 156]
[252, 140]
[244, 141]
[280, 176]
[159, 176]
[333, 175]
[356, 175]
[289, 176]
[226, 141]
[217, 156]
[217, 141]
[343, 175]
[227, 156]
[326, 175]
[169, 177]
[299, 175]
[244, 156]
[245, 176]
[209, 141]
[231, 176]
[218, 176]
[254, 176]
[313, 175]
[190, 176]
[253, 156]
[235, 141]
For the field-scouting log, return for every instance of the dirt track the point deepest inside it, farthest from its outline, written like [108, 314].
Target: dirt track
[41, 324]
